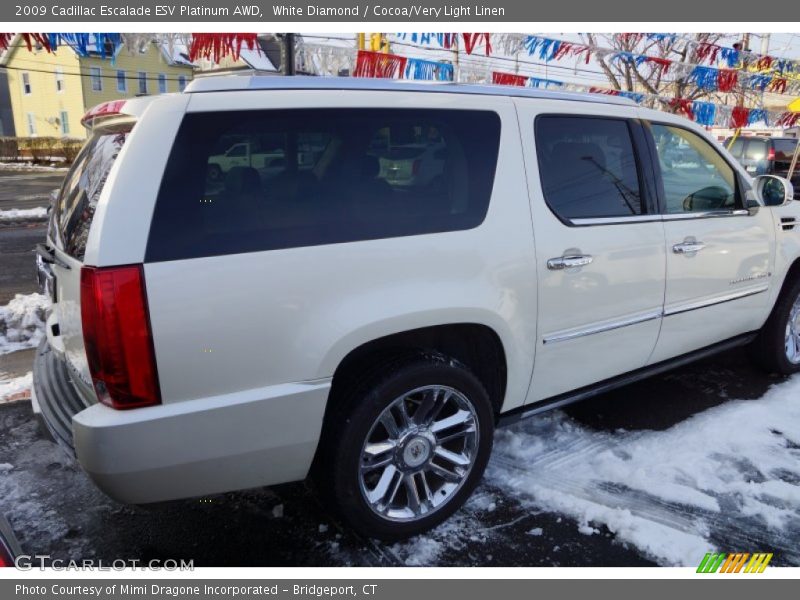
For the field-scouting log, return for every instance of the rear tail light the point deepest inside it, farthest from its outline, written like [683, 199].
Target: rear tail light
[111, 108]
[6, 560]
[117, 336]
[771, 154]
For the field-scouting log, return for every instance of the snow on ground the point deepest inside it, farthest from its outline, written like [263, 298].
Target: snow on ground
[39, 212]
[22, 322]
[19, 166]
[17, 388]
[727, 478]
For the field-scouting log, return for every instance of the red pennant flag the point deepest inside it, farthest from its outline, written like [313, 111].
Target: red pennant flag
[378, 64]
[739, 116]
[727, 80]
[509, 79]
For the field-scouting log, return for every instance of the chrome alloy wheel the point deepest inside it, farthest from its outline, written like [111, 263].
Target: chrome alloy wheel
[418, 453]
[793, 333]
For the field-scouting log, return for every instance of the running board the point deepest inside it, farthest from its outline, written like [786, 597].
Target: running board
[524, 412]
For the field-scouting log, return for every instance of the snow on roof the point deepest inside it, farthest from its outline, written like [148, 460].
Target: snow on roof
[257, 60]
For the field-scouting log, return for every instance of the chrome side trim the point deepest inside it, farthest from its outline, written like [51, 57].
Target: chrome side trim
[616, 220]
[571, 334]
[708, 214]
[686, 307]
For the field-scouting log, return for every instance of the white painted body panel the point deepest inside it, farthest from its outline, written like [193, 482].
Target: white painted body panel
[237, 322]
[625, 280]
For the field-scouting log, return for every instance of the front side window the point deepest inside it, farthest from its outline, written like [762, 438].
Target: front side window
[587, 167]
[291, 178]
[96, 75]
[695, 176]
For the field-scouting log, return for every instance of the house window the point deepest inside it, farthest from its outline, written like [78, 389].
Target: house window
[59, 79]
[64, 123]
[96, 75]
[181, 82]
[122, 83]
[26, 83]
[162, 83]
[142, 82]
[31, 124]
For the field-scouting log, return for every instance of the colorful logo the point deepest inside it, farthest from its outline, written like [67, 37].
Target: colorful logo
[734, 562]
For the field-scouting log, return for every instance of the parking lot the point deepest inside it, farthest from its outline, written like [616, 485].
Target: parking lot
[705, 457]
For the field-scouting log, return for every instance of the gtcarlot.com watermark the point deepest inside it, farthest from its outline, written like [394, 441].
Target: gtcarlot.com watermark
[26, 562]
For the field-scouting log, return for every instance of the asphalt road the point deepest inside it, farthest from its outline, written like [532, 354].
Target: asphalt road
[56, 510]
[27, 189]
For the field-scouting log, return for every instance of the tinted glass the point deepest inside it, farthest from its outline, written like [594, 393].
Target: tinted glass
[587, 167]
[283, 179]
[784, 150]
[77, 200]
[736, 148]
[695, 176]
[756, 149]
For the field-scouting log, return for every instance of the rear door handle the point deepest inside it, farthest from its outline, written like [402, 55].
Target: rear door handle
[569, 262]
[688, 247]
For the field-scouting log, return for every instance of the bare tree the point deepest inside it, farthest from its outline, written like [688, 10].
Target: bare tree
[651, 77]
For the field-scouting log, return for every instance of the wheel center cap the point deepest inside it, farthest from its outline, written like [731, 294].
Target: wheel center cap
[417, 450]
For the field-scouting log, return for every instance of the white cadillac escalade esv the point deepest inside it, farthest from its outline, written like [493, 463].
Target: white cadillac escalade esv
[217, 332]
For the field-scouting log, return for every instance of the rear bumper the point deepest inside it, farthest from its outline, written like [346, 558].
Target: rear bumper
[206, 446]
[184, 449]
[55, 401]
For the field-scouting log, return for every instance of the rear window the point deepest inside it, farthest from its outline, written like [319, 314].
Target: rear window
[588, 167]
[249, 181]
[756, 149]
[74, 209]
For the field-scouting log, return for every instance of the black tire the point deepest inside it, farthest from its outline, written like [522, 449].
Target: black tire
[214, 173]
[769, 348]
[339, 460]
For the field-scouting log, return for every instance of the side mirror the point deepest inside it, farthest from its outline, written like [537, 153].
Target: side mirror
[774, 190]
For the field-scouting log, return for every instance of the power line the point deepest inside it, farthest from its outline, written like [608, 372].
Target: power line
[29, 70]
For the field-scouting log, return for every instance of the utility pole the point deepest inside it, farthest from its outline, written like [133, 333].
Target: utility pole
[287, 58]
[745, 48]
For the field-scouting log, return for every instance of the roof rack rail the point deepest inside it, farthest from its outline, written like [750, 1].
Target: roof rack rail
[299, 82]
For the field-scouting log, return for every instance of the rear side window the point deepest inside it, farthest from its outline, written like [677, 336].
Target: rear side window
[784, 150]
[736, 148]
[588, 167]
[77, 200]
[249, 181]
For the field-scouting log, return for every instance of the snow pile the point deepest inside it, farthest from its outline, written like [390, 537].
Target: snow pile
[11, 214]
[22, 322]
[727, 478]
[19, 166]
[17, 388]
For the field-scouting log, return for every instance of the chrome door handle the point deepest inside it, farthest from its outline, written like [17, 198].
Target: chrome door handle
[568, 262]
[688, 247]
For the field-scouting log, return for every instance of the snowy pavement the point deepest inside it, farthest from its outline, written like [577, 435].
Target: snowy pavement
[704, 458]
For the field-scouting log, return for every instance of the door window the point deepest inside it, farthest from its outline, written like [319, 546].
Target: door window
[696, 178]
[588, 167]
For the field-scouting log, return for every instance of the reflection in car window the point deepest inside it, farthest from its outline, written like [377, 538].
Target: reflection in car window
[695, 176]
[587, 167]
[77, 200]
[312, 177]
